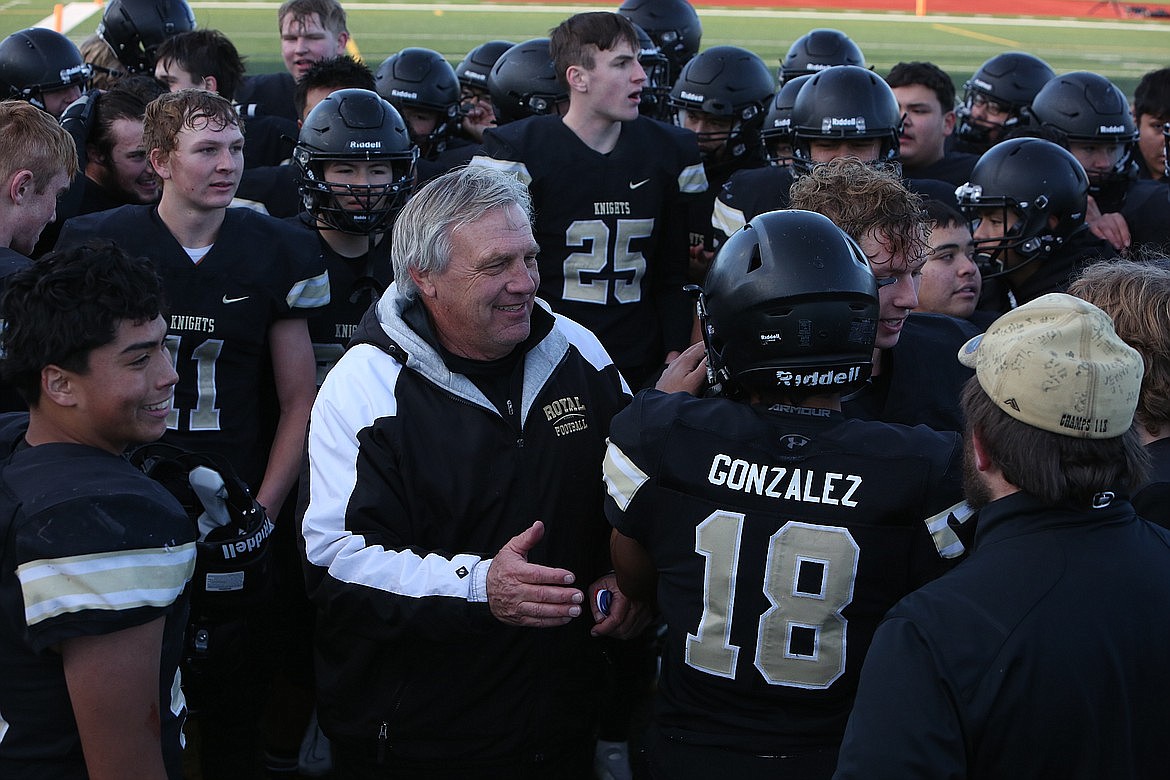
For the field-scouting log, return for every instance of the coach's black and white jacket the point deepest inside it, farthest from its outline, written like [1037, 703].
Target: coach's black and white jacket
[415, 481]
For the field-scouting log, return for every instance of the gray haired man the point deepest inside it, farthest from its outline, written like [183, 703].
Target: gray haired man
[453, 508]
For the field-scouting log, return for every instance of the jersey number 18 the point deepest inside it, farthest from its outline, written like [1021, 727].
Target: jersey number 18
[808, 580]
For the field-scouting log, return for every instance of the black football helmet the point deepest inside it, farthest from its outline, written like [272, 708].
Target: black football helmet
[422, 79]
[1083, 107]
[524, 82]
[353, 125]
[1009, 80]
[234, 572]
[790, 304]
[777, 130]
[133, 29]
[844, 102]
[674, 27]
[475, 68]
[656, 91]
[35, 61]
[819, 49]
[726, 81]
[1036, 180]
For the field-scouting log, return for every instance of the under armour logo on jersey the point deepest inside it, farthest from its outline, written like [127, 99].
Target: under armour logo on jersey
[793, 441]
[1012, 403]
[634, 186]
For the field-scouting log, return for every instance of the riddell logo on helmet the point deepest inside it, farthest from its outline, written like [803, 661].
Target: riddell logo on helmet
[365, 144]
[404, 94]
[691, 96]
[245, 546]
[1111, 129]
[818, 378]
[981, 84]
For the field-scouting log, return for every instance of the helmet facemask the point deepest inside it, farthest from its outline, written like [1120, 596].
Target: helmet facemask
[1030, 237]
[359, 209]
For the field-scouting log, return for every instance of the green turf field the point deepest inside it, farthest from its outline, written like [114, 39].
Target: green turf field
[1120, 49]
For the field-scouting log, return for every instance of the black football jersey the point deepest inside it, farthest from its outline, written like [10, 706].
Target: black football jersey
[781, 536]
[612, 229]
[355, 284]
[92, 546]
[260, 270]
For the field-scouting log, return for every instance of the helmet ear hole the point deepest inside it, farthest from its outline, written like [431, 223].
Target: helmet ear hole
[756, 262]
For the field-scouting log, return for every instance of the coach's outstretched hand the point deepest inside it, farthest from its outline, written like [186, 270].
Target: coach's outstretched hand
[528, 594]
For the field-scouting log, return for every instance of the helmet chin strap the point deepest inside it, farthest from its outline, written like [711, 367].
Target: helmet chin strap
[717, 373]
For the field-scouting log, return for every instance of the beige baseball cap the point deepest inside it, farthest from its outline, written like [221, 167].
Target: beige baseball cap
[1057, 364]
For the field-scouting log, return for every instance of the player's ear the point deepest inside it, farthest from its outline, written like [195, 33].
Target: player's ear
[159, 161]
[211, 84]
[21, 184]
[577, 78]
[56, 386]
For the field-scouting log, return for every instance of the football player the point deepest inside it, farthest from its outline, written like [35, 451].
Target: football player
[475, 99]
[842, 111]
[614, 245]
[524, 83]
[673, 27]
[926, 98]
[1151, 112]
[817, 50]
[310, 31]
[241, 285]
[912, 381]
[134, 29]
[721, 96]
[207, 59]
[97, 555]
[1136, 296]
[995, 96]
[43, 67]
[1090, 117]
[355, 165]
[1027, 200]
[773, 532]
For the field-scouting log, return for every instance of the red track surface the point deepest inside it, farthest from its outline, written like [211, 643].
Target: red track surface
[1094, 9]
[1081, 8]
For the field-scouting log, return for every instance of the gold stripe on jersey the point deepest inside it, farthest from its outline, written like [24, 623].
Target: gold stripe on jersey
[517, 169]
[726, 218]
[946, 541]
[622, 476]
[118, 580]
[311, 293]
[692, 180]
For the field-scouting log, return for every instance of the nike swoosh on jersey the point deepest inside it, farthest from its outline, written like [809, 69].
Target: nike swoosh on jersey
[634, 186]
[235, 300]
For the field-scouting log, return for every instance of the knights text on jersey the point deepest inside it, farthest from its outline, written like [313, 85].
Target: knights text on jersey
[260, 270]
[103, 550]
[781, 536]
[355, 284]
[611, 227]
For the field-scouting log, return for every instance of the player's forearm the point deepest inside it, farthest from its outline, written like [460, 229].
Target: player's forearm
[284, 458]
